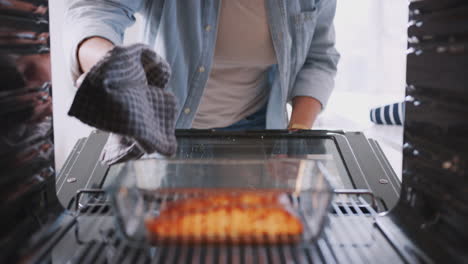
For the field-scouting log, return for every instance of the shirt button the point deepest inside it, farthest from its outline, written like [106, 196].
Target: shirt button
[187, 111]
[201, 69]
[208, 28]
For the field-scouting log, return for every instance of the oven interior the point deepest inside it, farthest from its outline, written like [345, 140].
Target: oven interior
[426, 224]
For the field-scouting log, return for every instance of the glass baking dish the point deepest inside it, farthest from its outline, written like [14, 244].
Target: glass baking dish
[144, 191]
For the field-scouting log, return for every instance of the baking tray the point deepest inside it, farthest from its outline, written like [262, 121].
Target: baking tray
[143, 189]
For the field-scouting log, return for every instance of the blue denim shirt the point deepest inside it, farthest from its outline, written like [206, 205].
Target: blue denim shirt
[184, 33]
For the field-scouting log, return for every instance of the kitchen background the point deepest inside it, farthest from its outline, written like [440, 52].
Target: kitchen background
[371, 37]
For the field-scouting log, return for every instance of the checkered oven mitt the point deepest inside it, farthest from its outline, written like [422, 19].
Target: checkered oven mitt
[124, 94]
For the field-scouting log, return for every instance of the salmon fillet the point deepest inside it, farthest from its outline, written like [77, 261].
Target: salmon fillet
[249, 217]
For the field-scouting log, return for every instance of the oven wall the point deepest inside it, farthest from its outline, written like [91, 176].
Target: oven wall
[27, 173]
[435, 168]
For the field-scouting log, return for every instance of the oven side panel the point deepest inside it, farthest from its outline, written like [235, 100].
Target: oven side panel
[27, 175]
[433, 209]
[378, 175]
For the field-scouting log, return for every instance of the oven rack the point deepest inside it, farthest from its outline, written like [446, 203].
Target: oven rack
[97, 198]
[350, 236]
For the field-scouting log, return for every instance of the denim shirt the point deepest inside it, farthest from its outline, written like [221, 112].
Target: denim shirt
[184, 33]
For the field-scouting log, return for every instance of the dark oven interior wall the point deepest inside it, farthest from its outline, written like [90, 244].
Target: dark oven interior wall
[435, 176]
[27, 185]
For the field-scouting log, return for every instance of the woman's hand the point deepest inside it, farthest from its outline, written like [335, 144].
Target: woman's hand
[305, 111]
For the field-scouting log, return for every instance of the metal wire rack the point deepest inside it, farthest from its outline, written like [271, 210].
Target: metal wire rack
[350, 236]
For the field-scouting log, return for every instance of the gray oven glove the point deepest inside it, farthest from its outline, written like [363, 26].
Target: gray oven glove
[124, 93]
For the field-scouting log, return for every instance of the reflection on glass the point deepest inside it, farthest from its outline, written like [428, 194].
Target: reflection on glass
[204, 163]
[294, 175]
[261, 147]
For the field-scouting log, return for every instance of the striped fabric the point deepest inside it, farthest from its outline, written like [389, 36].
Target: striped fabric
[393, 114]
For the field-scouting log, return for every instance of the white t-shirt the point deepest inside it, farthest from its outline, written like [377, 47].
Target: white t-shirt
[244, 51]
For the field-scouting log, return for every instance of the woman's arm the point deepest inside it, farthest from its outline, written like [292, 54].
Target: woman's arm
[306, 110]
[315, 81]
[91, 50]
[87, 19]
